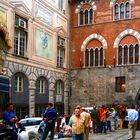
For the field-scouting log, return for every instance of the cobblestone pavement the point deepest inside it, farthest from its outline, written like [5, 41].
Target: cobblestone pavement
[117, 135]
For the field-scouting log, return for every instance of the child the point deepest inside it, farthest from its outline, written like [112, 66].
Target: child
[41, 127]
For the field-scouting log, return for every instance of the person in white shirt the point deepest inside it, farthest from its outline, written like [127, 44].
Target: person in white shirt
[132, 125]
[63, 123]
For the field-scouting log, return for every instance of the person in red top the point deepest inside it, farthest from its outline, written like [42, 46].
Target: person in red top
[102, 117]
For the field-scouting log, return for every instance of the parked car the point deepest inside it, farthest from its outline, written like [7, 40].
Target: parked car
[31, 126]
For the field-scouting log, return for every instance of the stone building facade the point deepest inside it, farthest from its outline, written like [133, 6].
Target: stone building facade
[36, 64]
[105, 52]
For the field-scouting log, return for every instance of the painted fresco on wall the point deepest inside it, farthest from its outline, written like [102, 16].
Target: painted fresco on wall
[43, 44]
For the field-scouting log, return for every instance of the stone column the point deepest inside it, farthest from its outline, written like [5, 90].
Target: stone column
[32, 98]
[51, 96]
[66, 102]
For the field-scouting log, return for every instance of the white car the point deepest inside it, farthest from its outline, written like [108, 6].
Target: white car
[31, 126]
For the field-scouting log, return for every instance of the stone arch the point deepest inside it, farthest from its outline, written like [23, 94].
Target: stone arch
[78, 8]
[124, 33]
[13, 68]
[91, 37]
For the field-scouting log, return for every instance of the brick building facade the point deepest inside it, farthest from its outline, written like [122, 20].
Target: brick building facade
[105, 53]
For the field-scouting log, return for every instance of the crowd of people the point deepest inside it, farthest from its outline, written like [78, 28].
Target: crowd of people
[78, 125]
[103, 120]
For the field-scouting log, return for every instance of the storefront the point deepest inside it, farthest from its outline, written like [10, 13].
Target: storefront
[4, 91]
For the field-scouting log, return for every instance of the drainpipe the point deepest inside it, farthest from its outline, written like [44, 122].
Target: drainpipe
[69, 67]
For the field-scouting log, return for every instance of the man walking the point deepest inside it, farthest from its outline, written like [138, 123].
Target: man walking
[87, 118]
[78, 124]
[50, 115]
[132, 125]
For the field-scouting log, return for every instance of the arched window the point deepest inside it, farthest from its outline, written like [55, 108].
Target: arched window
[20, 93]
[131, 54]
[20, 83]
[101, 57]
[122, 11]
[91, 15]
[120, 55]
[96, 57]
[86, 58]
[116, 11]
[81, 17]
[125, 54]
[91, 57]
[41, 85]
[136, 53]
[86, 16]
[127, 10]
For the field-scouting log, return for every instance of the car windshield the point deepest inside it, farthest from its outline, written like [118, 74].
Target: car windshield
[30, 122]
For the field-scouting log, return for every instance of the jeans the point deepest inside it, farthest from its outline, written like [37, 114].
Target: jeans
[48, 127]
[102, 127]
[12, 133]
[109, 125]
[78, 136]
[115, 124]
